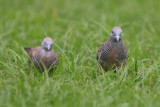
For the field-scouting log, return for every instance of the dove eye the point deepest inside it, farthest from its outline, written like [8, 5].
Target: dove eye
[112, 31]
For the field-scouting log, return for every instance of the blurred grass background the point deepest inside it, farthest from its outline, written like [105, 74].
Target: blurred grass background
[78, 28]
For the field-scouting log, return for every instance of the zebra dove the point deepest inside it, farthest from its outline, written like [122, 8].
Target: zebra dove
[43, 57]
[113, 53]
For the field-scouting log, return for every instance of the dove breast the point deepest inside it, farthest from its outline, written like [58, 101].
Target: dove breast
[43, 59]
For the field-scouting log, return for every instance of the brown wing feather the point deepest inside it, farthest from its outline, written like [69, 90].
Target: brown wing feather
[103, 51]
[28, 49]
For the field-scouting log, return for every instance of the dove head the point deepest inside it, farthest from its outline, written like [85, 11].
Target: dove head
[47, 43]
[116, 34]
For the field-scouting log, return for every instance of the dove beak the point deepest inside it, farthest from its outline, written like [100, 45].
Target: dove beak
[117, 37]
[48, 47]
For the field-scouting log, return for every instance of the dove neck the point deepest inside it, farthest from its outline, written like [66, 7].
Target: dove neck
[115, 40]
[46, 50]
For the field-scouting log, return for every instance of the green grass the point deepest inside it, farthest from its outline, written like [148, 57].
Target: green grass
[78, 28]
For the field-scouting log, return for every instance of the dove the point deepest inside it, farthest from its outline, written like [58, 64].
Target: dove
[113, 53]
[43, 57]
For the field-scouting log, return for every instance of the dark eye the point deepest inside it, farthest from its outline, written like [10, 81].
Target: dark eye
[112, 31]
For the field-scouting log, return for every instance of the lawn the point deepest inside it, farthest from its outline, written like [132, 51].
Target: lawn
[78, 28]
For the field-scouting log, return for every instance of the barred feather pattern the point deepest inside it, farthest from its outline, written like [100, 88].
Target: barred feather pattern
[112, 55]
[43, 60]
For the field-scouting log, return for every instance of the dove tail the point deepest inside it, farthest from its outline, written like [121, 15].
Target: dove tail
[28, 49]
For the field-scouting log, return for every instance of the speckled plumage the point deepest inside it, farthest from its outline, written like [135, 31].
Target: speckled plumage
[43, 59]
[112, 54]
